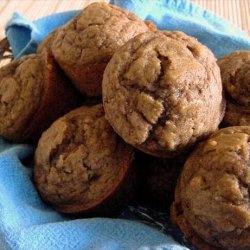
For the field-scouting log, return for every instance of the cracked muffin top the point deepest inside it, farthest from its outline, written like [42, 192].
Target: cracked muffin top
[80, 161]
[162, 92]
[21, 89]
[235, 73]
[214, 189]
[95, 34]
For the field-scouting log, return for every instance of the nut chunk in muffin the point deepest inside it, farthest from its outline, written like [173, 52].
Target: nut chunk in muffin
[33, 93]
[212, 196]
[85, 44]
[162, 92]
[235, 73]
[82, 166]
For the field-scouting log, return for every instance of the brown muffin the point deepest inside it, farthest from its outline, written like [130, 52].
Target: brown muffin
[156, 179]
[82, 166]
[162, 92]
[33, 93]
[212, 196]
[235, 73]
[84, 45]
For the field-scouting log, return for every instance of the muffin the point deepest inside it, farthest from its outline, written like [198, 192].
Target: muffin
[236, 114]
[33, 93]
[235, 73]
[84, 45]
[162, 92]
[212, 196]
[156, 179]
[82, 166]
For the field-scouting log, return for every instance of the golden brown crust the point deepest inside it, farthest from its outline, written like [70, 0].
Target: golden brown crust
[162, 92]
[212, 199]
[81, 166]
[151, 25]
[58, 98]
[178, 218]
[235, 72]
[87, 78]
[34, 92]
[21, 87]
[85, 44]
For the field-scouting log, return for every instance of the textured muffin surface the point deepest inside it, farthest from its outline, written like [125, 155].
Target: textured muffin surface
[21, 89]
[94, 34]
[213, 191]
[80, 161]
[34, 92]
[89, 40]
[162, 92]
[235, 73]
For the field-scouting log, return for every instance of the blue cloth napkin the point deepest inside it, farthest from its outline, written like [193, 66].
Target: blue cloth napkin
[25, 221]
[220, 36]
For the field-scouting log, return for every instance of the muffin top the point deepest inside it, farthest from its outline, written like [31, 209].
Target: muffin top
[214, 189]
[95, 34]
[235, 73]
[80, 161]
[162, 91]
[21, 88]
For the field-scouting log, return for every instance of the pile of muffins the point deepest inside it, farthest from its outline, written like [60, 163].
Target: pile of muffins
[119, 110]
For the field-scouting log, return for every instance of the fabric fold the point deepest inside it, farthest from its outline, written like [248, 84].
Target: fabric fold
[24, 35]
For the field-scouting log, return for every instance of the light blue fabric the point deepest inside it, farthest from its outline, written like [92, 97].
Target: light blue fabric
[25, 221]
[220, 36]
[24, 35]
